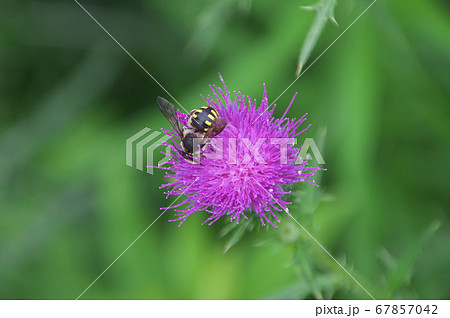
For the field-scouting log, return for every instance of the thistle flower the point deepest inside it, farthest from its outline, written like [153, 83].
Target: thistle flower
[244, 168]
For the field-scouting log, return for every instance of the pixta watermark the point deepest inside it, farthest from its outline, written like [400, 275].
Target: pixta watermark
[144, 143]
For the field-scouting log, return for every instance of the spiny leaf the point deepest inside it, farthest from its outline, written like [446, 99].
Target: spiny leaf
[237, 231]
[403, 271]
[236, 235]
[299, 290]
[325, 12]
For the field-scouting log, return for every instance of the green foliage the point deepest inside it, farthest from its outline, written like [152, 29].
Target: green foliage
[324, 12]
[70, 97]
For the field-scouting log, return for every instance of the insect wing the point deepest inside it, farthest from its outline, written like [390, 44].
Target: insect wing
[169, 112]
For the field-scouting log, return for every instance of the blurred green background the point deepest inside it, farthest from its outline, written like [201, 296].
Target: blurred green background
[70, 97]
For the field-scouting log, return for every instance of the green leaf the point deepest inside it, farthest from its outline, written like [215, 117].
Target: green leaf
[403, 271]
[325, 12]
[236, 232]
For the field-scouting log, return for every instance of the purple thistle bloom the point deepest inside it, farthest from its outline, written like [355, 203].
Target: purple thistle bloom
[244, 168]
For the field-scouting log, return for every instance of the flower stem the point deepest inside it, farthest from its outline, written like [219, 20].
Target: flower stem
[304, 261]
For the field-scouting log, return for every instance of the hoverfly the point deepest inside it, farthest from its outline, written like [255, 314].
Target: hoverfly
[207, 119]
[203, 123]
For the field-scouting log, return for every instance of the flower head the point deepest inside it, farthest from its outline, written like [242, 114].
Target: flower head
[244, 168]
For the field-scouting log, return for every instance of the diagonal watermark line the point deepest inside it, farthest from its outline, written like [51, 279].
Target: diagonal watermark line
[137, 238]
[317, 58]
[128, 53]
[317, 242]
[95, 280]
